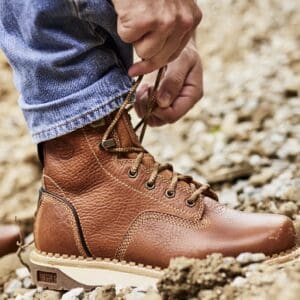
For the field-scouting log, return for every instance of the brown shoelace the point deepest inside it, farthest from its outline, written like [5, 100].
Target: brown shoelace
[108, 144]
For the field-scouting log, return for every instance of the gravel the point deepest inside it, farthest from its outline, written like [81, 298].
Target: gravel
[243, 138]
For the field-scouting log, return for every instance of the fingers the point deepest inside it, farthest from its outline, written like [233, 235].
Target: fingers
[169, 50]
[156, 57]
[154, 42]
[158, 30]
[185, 88]
[189, 95]
[172, 84]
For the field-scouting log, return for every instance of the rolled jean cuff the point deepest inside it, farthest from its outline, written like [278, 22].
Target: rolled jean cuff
[50, 120]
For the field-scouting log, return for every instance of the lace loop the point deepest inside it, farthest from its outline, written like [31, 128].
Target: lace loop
[108, 144]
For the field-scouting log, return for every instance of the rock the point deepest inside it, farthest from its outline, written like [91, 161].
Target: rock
[247, 258]
[50, 295]
[290, 148]
[12, 286]
[22, 273]
[73, 294]
[297, 228]
[284, 189]
[23, 297]
[239, 282]
[186, 277]
[228, 174]
[8, 265]
[135, 295]
[27, 283]
[229, 197]
[262, 178]
[152, 295]
[29, 295]
[103, 293]
[288, 208]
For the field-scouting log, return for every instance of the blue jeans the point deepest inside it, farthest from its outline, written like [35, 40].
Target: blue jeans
[69, 64]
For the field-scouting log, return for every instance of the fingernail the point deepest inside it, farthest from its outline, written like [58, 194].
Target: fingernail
[164, 100]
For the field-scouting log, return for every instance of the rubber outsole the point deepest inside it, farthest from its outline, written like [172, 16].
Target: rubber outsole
[64, 273]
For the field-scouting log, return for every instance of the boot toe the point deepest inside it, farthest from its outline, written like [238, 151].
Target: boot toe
[283, 236]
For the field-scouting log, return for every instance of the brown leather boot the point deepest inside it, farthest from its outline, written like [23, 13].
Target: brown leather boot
[109, 213]
[9, 236]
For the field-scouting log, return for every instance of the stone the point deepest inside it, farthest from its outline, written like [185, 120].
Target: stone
[12, 286]
[247, 258]
[22, 273]
[229, 197]
[135, 295]
[103, 293]
[239, 282]
[290, 148]
[8, 265]
[73, 294]
[27, 283]
[262, 178]
[50, 295]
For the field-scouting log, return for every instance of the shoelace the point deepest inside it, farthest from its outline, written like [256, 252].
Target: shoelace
[108, 144]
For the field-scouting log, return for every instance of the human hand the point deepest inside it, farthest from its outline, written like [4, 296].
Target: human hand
[159, 30]
[180, 89]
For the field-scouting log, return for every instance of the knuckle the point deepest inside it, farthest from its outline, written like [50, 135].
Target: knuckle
[198, 16]
[173, 119]
[124, 35]
[175, 81]
[187, 22]
[147, 23]
[142, 53]
[167, 23]
[170, 118]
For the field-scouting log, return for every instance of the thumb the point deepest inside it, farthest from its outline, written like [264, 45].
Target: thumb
[170, 87]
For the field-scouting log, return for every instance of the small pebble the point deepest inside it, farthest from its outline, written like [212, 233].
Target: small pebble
[73, 294]
[12, 286]
[247, 258]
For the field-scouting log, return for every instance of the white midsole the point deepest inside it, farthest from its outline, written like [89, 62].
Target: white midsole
[99, 272]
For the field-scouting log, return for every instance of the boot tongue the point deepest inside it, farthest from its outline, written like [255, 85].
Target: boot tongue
[128, 138]
[125, 132]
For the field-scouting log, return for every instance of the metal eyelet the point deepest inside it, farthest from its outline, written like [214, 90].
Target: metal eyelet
[150, 185]
[170, 193]
[190, 202]
[132, 173]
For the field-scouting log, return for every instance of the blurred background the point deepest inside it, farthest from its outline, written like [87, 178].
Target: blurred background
[243, 137]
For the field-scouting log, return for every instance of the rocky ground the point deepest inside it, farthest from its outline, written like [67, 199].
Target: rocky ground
[243, 138]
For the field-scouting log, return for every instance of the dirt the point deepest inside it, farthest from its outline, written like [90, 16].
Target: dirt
[243, 138]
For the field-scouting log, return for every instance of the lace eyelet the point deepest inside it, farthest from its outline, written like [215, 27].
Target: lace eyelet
[190, 202]
[132, 174]
[149, 185]
[170, 193]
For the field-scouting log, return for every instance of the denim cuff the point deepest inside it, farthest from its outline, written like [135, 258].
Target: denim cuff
[50, 120]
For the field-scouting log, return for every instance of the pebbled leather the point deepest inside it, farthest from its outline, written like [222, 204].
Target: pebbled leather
[57, 231]
[120, 218]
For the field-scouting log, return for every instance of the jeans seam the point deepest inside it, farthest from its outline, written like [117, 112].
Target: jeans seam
[79, 116]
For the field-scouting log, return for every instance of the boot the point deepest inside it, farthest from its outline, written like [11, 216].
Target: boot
[9, 236]
[109, 213]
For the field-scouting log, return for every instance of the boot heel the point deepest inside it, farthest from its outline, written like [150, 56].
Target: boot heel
[64, 273]
[54, 279]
